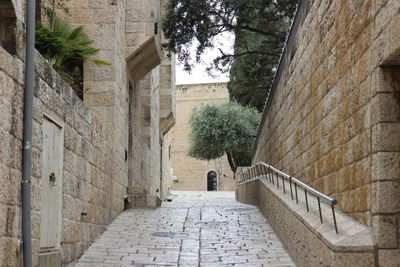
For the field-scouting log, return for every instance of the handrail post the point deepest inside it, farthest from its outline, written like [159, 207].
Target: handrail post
[320, 211]
[334, 219]
[277, 181]
[305, 193]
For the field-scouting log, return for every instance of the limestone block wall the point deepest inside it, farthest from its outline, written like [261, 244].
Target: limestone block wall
[103, 147]
[167, 85]
[137, 162]
[333, 119]
[119, 28]
[12, 18]
[11, 102]
[105, 88]
[167, 93]
[154, 185]
[146, 137]
[151, 101]
[166, 176]
[88, 180]
[141, 16]
[192, 173]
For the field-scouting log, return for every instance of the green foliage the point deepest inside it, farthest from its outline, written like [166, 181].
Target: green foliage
[260, 28]
[66, 48]
[228, 128]
[252, 74]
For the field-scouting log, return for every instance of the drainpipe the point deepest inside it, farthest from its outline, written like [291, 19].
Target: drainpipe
[27, 149]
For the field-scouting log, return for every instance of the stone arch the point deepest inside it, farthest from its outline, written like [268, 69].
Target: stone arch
[8, 26]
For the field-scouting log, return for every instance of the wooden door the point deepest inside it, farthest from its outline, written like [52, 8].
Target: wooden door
[51, 186]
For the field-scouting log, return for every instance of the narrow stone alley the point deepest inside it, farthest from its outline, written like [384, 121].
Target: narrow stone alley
[195, 229]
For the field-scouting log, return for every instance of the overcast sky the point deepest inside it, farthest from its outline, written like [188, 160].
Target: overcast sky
[198, 73]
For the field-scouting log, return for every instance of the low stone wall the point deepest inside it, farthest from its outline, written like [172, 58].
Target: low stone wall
[309, 242]
[247, 192]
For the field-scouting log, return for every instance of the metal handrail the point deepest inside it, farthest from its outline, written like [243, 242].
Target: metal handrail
[268, 171]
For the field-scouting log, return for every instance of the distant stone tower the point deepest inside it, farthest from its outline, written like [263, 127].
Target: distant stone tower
[192, 174]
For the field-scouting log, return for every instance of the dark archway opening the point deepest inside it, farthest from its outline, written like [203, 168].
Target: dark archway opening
[212, 181]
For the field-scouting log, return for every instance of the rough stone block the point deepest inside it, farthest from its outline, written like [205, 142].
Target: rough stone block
[11, 181]
[71, 231]
[9, 221]
[71, 139]
[385, 197]
[389, 257]
[386, 166]
[385, 228]
[71, 208]
[385, 137]
[68, 252]
[385, 108]
[98, 4]
[9, 251]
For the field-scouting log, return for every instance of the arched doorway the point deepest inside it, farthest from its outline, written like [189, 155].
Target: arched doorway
[212, 181]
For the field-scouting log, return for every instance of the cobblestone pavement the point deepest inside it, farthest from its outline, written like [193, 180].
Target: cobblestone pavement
[209, 228]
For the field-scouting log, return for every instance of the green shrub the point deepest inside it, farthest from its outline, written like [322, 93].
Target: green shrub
[218, 129]
[66, 48]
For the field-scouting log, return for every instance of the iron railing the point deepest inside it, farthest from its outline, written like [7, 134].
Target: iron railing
[272, 175]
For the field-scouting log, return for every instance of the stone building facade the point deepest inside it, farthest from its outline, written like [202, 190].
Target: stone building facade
[333, 117]
[91, 158]
[193, 174]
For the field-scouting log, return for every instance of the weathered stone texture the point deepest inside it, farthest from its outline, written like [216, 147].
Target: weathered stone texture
[132, 240]
[192, 173]
[89, 162]
[166, 175]
[334, 120]
[309, 242]
[104, 153]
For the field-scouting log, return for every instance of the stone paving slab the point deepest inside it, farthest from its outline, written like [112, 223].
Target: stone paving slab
[211, 229]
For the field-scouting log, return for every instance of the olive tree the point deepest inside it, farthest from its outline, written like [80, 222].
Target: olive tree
[218, 129]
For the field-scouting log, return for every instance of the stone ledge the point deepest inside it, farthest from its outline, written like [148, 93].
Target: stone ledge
[302, 232]
[142, 60]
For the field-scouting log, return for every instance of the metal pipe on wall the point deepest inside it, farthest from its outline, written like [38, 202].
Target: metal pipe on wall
[27, 143]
